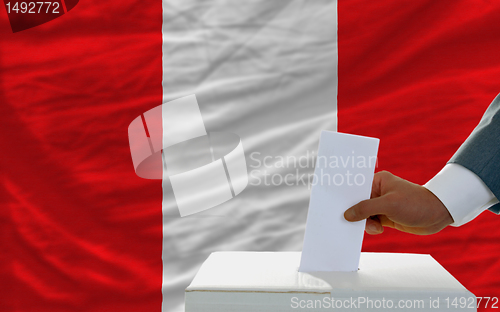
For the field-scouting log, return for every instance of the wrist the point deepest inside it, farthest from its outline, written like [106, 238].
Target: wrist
[441, 216]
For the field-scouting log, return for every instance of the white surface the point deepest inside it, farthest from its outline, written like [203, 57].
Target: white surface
[153, 119]
[237, 168]
[182, 120]
[267, 281]
[200, 189]
[138, 140]
[343, 177]
[462, 192]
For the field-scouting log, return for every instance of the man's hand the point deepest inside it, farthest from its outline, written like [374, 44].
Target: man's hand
[402, 205]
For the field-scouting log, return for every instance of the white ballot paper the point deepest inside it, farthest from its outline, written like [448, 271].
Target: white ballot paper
[343, 176]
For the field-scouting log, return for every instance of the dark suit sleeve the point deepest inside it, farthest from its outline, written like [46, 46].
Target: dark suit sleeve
[480, 153]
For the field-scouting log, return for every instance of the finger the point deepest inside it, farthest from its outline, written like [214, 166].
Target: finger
[381, 181]
[367, 208]
[373, 226]
[384, 221]
[376, 185]
[413, 230]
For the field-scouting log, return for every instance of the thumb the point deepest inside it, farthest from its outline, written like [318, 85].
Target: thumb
[366, 209]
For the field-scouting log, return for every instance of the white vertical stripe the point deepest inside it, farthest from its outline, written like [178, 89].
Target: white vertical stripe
[266, 71]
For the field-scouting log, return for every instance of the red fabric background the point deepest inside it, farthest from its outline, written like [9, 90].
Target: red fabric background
[419, 75]
[80, 231]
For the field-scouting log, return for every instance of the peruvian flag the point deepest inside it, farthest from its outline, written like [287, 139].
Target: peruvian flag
[82, 229]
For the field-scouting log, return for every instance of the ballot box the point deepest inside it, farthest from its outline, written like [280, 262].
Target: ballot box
[271, 282]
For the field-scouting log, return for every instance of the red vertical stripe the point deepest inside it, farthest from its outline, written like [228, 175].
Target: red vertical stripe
[80, 230]
[419, 75]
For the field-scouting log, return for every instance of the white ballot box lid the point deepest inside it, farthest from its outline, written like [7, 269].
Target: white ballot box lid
[270, 281]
